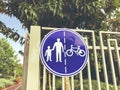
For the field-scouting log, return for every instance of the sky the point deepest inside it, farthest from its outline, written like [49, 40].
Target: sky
[13, 22]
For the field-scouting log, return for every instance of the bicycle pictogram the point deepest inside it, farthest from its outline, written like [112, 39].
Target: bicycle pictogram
[77, 50]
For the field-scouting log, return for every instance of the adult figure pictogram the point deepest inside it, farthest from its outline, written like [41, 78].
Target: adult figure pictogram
[58, 46]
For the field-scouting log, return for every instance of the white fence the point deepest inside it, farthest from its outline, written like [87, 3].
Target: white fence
[103, 64]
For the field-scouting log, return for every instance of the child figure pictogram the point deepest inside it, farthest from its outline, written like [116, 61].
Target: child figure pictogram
[48, 53]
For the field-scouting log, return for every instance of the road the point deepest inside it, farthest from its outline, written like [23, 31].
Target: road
[14, 87]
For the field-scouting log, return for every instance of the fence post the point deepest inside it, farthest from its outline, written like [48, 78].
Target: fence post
[25, 62]
[33, 75]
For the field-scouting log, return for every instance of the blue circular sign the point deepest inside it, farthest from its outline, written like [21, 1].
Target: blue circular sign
[64, 52]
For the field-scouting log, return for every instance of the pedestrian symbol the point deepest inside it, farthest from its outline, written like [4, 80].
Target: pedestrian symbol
[63, 52]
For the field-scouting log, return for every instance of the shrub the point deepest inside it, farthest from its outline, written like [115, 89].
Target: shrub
[5, 83]
[2, 85]
[94, 85]
[85, 85]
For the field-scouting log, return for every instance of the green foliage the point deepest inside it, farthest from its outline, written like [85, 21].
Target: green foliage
[6, 54]
[85, 85]
[58, 13]
[10, 33]
[8, 59]
[58, 84]
[62, 13]
[5, 83]
[18, 70]
[86, 14]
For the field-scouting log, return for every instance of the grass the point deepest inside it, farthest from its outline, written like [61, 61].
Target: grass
[5, 83]
[85, 85]
[94, 85]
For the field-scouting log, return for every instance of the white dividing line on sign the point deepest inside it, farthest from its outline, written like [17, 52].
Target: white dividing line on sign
[65, 69]
[65, 52]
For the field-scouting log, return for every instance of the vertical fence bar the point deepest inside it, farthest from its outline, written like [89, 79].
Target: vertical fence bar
[112, 65]
[67, 83]
[81, 81]
[118, 56]
[96, 62]
[89, 74]
[44, 78]
[33, 62]
[88, 68]
[72, 82]
[49, 81]
[53, 82]
[63, 83]
[103, 60]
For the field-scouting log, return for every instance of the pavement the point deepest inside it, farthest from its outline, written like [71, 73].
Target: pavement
[14, 87]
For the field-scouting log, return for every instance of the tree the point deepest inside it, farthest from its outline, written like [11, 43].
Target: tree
[10, 33]
[8, 59]
[61, 13]
[18, 70]
[112, 23]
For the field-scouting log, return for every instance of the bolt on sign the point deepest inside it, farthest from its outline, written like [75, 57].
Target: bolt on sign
[64, 52]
